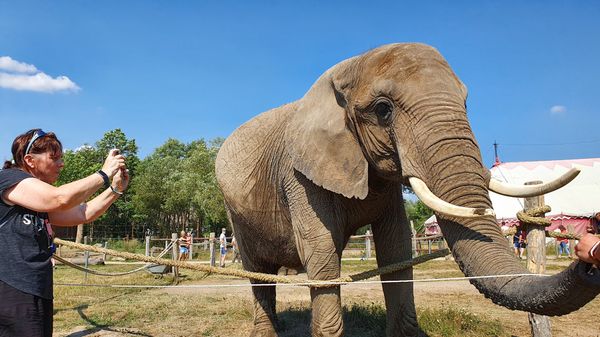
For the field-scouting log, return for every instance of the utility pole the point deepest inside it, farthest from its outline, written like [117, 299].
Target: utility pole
[497, 159]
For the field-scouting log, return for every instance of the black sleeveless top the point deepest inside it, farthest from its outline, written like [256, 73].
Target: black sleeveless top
[25, 245]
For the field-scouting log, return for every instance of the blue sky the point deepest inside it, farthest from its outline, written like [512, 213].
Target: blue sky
[199, 69]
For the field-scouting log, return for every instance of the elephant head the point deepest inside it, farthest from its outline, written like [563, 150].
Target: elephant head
[399, 112]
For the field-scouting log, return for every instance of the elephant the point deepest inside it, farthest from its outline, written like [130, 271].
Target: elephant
[300, 179]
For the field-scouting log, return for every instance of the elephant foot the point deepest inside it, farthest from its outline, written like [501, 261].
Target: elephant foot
[262, 331]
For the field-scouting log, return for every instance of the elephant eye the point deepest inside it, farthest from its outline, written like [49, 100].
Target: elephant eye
[383, 110]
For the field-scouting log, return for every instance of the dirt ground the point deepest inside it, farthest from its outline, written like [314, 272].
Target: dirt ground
[448, 294]
[458, 294]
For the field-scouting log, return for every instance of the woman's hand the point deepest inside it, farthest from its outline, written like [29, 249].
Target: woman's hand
[121, 181]
[582, 250]
[113, 163]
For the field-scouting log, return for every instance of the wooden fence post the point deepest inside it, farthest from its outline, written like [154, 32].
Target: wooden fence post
[211, 243]
[175, 251]
[79, 234]
[86, 259]
[368, 245]
[414, 239]
[105, 247]
[191, 249]
[571, 230]
[147, 245]
[536, 261]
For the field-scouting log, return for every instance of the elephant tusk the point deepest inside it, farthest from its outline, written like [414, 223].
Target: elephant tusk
[524, 191]
[440, 206]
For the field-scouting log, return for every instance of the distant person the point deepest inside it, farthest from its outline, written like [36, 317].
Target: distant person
[184, 246]
[236, 250]
[520, 241]
[563, 243]
[29, 206]
[504, 228]
[223, 246]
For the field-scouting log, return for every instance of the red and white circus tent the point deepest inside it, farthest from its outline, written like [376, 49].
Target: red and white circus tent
[575, 204]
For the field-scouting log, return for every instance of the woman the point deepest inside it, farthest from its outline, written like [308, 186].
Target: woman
[184, 245]
[29, 203]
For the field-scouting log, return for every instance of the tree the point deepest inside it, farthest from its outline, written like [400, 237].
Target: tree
[176, 189]
[86, 160]
[418, 212]
[207, 198]
[79, 163]
[119, 218]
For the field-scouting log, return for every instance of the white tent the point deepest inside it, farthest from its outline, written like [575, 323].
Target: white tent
[573, 204]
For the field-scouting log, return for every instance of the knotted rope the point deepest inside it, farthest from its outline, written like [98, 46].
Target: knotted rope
[535, 216]
[270, 278]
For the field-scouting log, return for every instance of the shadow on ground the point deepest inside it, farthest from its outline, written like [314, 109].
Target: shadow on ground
[359, 321]
[101, 329]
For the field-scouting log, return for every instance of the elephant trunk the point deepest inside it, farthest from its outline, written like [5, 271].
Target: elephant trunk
[456, 176]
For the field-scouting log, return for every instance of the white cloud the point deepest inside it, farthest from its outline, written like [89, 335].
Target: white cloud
[84, 147]
[10, 65]
[21, 76]
[39, 82]
[558, 110]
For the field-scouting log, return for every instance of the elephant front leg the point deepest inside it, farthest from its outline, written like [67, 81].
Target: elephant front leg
[393, 244]
[322, 264]
[319, 240]
[265, 316]
[327, 312]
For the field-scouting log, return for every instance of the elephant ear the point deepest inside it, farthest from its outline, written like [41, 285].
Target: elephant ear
[321, 145]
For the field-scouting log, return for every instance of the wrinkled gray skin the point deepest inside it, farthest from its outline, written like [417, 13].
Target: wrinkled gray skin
[298, 180]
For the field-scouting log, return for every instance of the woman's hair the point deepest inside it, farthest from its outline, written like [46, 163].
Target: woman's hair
[46, 142]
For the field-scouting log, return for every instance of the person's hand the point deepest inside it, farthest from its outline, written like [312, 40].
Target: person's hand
[582, 249]
[121, 180]
[113, 163]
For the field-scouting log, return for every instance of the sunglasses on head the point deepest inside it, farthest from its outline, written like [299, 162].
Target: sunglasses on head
[39, 133]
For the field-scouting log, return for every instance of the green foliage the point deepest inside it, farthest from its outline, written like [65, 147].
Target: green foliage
[363, 230]
[418, 213]
[86, 160]
[172, 189]
[79, 164]
[176, 188]
[130, 246]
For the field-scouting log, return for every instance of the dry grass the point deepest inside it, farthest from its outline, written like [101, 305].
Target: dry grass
[443, 309]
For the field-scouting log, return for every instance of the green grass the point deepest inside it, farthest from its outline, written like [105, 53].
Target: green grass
[369, 320]
[450, 322]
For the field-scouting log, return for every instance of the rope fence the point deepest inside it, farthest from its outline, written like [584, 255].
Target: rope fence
[95, 272]
[309, 284]
[261, 277]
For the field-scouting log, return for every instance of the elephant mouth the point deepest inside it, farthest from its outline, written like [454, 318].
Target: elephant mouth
[440, 206]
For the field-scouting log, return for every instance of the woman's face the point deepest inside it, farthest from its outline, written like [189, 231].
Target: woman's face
[47, 166]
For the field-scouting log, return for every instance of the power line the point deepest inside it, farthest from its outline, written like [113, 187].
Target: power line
[550, 144]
